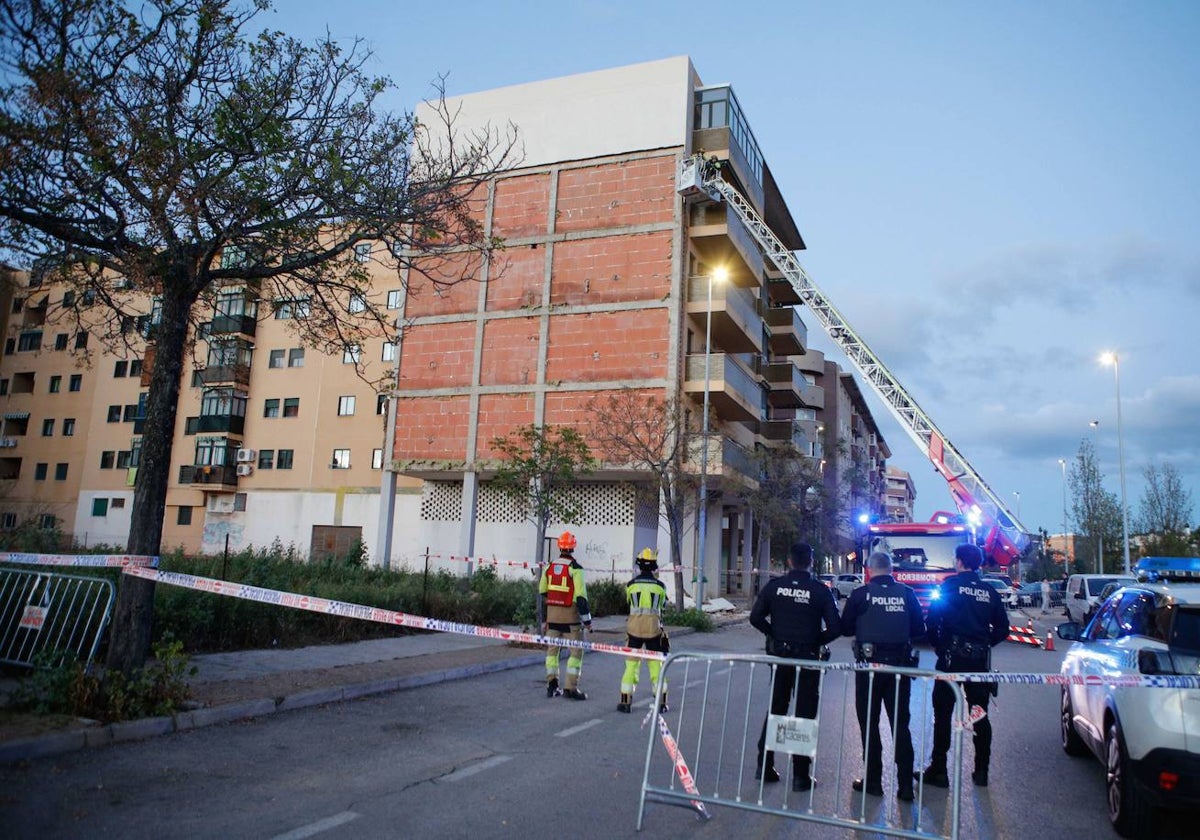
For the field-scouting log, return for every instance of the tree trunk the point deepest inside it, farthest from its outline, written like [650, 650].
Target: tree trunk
[132, 622]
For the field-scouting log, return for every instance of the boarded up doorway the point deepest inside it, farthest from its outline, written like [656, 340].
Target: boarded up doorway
[333, 541]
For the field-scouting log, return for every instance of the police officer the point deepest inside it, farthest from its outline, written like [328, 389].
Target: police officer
[965, 622]
[564, 596]
[646, 595]
[884, 617]
[797, 614]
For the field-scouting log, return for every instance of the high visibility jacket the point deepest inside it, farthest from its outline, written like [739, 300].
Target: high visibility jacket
[646, 595]
[565, 592]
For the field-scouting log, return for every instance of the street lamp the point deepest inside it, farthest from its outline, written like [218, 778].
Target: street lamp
[718, 275]
[1062, 462]
[1017, 493]
[1110, 358]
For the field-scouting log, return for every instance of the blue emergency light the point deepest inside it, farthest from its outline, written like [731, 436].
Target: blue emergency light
[1168, 568]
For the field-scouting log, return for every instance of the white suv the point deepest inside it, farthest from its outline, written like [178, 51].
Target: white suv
[1148, 738]
[847, 583]
[1083, 592]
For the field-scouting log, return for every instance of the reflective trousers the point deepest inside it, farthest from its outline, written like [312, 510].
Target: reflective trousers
[574, 657]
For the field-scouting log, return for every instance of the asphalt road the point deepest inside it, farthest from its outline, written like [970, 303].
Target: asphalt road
[493, 757]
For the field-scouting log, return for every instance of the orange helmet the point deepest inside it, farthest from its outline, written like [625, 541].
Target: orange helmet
[566, 542]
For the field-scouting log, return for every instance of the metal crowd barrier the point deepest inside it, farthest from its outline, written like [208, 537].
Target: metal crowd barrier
[711, 736]
[47, 612]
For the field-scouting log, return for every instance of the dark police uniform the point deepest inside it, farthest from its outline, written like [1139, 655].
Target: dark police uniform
[884, 617]
[791, 611]
[965, 623]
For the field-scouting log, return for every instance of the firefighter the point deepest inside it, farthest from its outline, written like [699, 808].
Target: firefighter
[646, 595]
[565, 606]
[965, 622]
[791, 611]
[884, 617]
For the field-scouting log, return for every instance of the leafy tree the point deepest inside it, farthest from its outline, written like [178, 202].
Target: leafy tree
[539, 465]
[789, 500]
[1166, 505]
[168, 153]
[1095, 512]
[660, 438]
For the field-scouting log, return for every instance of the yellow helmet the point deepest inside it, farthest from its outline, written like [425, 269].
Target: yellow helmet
[647, 559]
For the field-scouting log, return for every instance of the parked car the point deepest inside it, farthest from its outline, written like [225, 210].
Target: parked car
[1030, 595]
[998, 576]
[1006, 591]
[1083, 591]
[829, 581]
[847, 583]
[1145, 737]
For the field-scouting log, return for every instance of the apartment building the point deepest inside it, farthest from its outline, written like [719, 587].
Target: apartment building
[899, 496]
[605, 284]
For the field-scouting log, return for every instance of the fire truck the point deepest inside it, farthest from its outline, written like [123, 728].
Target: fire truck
[922, 552]
[982, 516]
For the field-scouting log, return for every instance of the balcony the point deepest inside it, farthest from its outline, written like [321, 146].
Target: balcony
[736, 326]
[720, 239]
[789, 389]
[230, 423]
[245, 325]
[780, 290]
[726, 459]
[8, 443]
[782, 431]
[733, 392]
[813, 361]
[789, 334]
[225, 375]
[218, 474]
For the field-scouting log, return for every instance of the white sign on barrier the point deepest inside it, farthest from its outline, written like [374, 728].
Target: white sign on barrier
[792, 735]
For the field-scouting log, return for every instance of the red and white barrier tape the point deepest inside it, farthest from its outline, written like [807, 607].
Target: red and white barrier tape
[107, 560]
[681, 768]
[376, 614]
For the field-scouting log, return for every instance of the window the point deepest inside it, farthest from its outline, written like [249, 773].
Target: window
[135, 367]
[123, 459]
[48, 427]
[60, 341]
[76, 382]
[68, 427]
[389, 351]
[266, 459]
[107, 459]
[8, 521]
[393, 298]
[291, 308]
[17, 305]
[239, 501]
[296, 357]
[81, 340]
[120, 368]
[270, 408]
[345, 406]
[291, 407]
[3, 387]
[10, 346]
[351, 355]
[99, 507]
[55, 384]
[381, 402]
[276, 359]
[60, 472]
[340, 460]
[376, 459]
[135, 454]
[131, 413]
[184, 517]
[117, 504]
[358, 303]
[39, 471]
[30, 341]
[48, 521]
[362, 252]
[284, 462]
[68, 299]
[114, 414]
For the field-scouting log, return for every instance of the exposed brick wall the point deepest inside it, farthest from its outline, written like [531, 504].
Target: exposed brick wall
[515, 278]
[520, 205]
[432, 428]
[499, 415]
[510, 352]
[613, 194]
[437, 355]
[573, 408]
[450, 288]
[608, 345]
[612, 269]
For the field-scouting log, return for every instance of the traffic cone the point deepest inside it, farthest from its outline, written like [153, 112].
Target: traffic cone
[1029, 625]
[1049, 640]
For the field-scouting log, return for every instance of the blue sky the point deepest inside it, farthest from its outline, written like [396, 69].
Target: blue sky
[992, 194]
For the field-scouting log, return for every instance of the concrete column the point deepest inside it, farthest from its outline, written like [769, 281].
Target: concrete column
[747, 552]
[470, 505]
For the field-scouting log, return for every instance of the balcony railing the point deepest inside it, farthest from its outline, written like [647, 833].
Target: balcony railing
[725, 458]
[230, 423]
[734, 393]
[231, 324]
[789, 335]
[208, 474]
[223, 374]
[736, 325]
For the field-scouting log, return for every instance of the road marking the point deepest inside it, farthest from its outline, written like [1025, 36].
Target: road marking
[317, 827]
[472, 769]
[566, 733]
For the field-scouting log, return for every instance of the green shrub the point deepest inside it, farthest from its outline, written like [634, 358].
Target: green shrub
[607, 597]
[693, 617]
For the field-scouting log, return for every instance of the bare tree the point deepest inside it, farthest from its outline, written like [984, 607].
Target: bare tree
[1094, 510]
[163, 152]
[656, 438]
[789, 498]
[1166, 505]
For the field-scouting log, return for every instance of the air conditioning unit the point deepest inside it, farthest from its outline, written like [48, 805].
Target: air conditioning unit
[245, 469]
[247, 455]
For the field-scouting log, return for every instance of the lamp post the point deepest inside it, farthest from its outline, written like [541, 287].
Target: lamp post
[1110, 358]
[1017, 493]
[1095, 425]
[717, 275]
[1062, 462]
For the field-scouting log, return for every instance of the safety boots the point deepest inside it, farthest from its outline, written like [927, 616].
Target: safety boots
[663, 708]
[552, 689]
[626, 704]
[574, 694]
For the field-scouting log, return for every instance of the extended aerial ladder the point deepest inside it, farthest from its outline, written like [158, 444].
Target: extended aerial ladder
[1005, 539]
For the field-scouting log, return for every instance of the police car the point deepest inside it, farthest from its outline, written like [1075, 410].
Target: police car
[1148, 738]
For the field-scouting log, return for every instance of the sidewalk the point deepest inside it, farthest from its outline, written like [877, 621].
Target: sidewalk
[245, 684]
